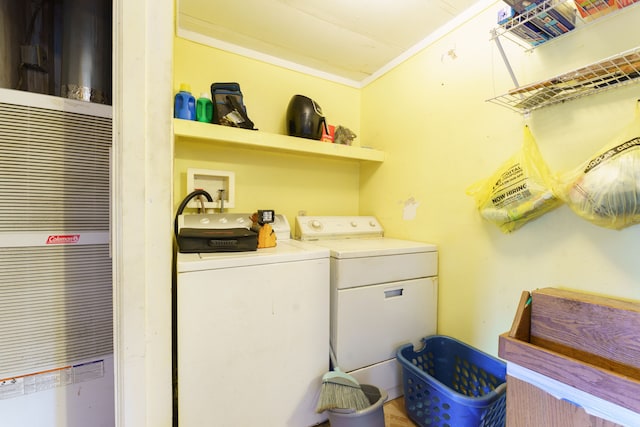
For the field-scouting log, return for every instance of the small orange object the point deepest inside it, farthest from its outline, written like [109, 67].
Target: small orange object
[266, 237]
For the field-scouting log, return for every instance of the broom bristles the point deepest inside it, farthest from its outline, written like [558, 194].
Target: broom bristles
[341, 396]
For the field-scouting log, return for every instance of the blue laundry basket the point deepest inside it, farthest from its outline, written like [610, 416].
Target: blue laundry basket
[448, 383]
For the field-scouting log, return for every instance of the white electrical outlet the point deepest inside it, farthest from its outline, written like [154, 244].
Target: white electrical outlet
[212, 181]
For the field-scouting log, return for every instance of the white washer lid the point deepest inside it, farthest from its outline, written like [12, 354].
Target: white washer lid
[358, 248]
[285, 251]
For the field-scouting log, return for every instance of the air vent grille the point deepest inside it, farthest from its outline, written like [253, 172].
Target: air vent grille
[56, 300]
[55, 170]
[56, 306]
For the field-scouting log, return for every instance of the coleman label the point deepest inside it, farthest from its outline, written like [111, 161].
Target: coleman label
[63, 239]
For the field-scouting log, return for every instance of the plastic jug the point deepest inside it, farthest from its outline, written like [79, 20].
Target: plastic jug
[204, 108]
[185, 104]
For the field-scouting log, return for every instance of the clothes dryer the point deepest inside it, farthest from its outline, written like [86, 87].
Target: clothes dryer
[384, 294]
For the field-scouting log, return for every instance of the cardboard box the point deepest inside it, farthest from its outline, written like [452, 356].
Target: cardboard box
[592, 9]
[625, 3]
[524, 30]
[505, 14]
[549, 18]
[553, 22]
[328, 137]
[530, 33]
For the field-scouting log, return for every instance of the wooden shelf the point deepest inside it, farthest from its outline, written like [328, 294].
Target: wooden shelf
[609, 73]
[585, 341]
[244, 138]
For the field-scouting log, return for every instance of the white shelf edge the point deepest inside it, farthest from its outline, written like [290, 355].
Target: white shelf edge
[270, 141]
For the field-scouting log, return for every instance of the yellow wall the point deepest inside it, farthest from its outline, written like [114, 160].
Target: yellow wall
[287, 183]
[430, 117]
[452, 138]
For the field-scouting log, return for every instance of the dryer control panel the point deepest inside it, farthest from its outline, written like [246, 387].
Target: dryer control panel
[337, 227]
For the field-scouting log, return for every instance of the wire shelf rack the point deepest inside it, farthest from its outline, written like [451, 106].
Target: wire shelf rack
[545, 20]
[609, 73]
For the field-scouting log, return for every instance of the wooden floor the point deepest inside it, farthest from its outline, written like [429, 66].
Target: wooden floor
[394, 415]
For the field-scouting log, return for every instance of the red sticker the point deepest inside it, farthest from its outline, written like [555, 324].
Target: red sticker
[63, 239]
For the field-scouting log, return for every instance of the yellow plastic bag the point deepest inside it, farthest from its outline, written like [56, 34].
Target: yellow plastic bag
[605, 190]
[519, 191]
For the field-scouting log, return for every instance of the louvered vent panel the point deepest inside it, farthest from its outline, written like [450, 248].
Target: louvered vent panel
[56, 300]
[55, 306]
[54, 170]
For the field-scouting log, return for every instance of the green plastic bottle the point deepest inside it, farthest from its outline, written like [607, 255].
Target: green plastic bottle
[204, 109]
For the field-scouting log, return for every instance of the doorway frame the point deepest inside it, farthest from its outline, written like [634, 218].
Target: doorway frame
[142, 169]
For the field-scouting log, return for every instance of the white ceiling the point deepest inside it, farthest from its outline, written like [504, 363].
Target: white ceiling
[348, 39]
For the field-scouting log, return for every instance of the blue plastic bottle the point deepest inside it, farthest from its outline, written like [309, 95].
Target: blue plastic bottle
[185, 104]
[204, 109]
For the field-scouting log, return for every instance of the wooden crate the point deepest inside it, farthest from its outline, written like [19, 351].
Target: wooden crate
[588, 342]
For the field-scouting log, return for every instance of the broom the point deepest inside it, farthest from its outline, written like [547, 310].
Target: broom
[340, 390]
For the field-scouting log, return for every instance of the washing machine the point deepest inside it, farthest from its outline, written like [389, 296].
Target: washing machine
[384, 294]
[252, 333]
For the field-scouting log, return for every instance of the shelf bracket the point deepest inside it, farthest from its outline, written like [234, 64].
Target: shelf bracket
[495, 37]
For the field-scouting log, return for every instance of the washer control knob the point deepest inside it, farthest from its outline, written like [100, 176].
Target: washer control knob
[205, 220]
[354, 224]
[316, 225]
[372, 223]
[240, 220]
[223, 220]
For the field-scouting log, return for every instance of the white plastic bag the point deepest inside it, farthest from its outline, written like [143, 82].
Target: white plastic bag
[605, 190]
[519, 191]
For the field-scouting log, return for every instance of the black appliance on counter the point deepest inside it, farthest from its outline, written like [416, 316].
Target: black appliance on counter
[305, 118]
